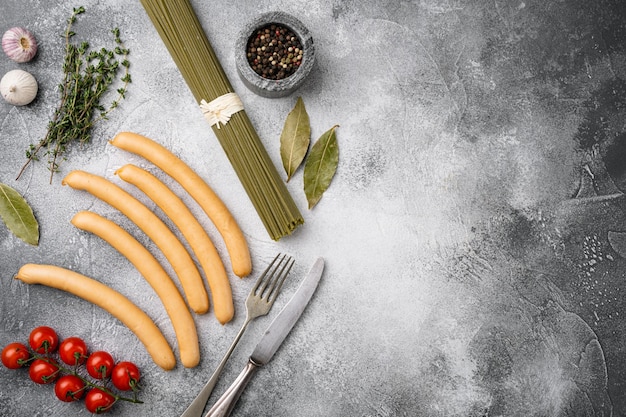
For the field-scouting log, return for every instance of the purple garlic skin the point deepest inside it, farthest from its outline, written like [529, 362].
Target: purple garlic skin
[19, 44]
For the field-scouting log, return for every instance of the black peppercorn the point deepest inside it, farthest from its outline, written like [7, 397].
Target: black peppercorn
[274, 52]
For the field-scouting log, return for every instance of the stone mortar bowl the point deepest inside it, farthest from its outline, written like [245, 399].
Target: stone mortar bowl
[274, 88]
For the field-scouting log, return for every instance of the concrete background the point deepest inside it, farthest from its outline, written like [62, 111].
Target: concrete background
[472, 231]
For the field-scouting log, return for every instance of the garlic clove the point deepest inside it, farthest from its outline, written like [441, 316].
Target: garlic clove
[19, 44]
[18, 87]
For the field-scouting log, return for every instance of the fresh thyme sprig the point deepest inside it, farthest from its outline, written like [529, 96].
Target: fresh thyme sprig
[88, 75]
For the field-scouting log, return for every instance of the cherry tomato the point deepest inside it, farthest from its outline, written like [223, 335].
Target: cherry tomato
[43, 371]
[14, 355]
[125, 376]
[98, 401]
[69, 388]
[43, 339]
[73, 351]
[100, 364]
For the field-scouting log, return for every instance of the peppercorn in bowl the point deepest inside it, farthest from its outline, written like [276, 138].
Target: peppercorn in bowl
[274, 53]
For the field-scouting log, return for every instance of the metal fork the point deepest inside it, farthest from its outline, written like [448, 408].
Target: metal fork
[258, 303]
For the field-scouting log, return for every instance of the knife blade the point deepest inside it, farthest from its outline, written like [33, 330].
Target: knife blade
[271, 340]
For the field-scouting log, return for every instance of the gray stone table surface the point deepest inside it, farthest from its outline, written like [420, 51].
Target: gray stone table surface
[473, 232]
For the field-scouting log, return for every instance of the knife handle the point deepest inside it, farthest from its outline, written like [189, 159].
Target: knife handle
[225, 404]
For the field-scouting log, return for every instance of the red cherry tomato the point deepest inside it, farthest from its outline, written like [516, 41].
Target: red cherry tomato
[100, 364]
[125, 376]
[69, 388]
[73, 351]
[98, 401]
[43, 339]
[43, 371]
[14, 355]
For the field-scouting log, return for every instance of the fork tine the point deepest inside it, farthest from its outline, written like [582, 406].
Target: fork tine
[277, 284]
[274, 267]
[276, 274]
[261, 279]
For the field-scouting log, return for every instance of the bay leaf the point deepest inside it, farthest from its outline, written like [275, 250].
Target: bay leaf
[295, 138]
[320, 166]
[18, 215]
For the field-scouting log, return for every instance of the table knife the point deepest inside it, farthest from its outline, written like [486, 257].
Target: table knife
[270, 341]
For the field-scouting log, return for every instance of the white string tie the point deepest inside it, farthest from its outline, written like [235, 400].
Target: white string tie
[220, 110]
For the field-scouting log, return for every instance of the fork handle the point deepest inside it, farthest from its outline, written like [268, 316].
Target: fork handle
[225, 404]
[196, 408]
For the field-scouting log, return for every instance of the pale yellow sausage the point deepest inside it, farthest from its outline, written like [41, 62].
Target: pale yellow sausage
[153, 272]
[193, 232]
[212, 205]
[161, 235]
[107, 298]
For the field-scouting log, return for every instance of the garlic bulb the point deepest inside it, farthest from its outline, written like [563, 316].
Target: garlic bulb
[18, 87]
[19, 44]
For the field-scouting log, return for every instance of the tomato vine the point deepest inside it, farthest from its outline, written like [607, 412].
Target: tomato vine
[96, 377]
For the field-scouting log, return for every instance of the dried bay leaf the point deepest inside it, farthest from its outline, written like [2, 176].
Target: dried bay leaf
[320, 166]
[295, 138]
[18, 216]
